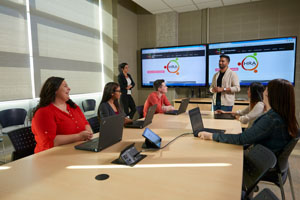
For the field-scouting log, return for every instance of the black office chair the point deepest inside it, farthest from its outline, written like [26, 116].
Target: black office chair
[281, 171]
[3, 150]
[257, 162]
[89, 105]
[266, 194]
[23, 141]
[12, 117]
[95, 124]
[140, 111]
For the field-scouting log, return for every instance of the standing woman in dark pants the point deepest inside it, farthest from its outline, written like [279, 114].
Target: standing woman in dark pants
[126, 85]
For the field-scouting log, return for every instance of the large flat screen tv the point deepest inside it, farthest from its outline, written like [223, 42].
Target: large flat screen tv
[256, 60]
[178, 66]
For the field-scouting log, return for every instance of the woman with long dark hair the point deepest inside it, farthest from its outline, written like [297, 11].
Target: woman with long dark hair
[109, 104]
[126, 84]
[256, 106]
[275, 128]
[57, 120]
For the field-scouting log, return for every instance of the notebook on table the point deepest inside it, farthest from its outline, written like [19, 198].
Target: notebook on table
[197, 123]
[111, 131]
[182, 108]
[223, 116]
[143, 123]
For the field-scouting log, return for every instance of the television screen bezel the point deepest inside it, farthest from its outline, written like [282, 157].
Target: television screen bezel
[174, 86]
[207, 62]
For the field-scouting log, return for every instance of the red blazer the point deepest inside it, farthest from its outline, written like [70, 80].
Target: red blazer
[50, 121]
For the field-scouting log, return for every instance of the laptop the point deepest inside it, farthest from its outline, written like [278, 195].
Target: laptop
[182, 108]
[197, 123]
[111, 131]
[223, 116]
[143, 123]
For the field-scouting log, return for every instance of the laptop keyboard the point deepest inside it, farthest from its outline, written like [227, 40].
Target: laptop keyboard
[92, 143]
[172, 111]
[214, 130]
[138, 122]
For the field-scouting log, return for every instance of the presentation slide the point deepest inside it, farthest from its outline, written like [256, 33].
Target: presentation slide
[256, 60]
[178, 66]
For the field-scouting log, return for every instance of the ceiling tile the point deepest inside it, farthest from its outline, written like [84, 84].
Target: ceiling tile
[204, 1]
[161, 11]
[178, 3]
[231, 2]
[185, 8]
[151, 5]
[212, 4]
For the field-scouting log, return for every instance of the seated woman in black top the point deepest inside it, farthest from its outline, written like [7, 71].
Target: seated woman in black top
[275, 128]
[109, 104]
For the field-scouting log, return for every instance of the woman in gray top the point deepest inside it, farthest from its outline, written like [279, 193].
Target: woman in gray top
[256, 107]
[275, 128]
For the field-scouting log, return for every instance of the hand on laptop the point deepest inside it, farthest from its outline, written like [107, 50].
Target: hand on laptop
[167, 108]
[127, 120]
[205, 135]
[86, 135]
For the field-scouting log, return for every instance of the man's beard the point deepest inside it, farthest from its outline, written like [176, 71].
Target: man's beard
[222, 66]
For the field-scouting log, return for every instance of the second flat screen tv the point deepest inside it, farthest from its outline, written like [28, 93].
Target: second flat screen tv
[256, 60]
[178, 66]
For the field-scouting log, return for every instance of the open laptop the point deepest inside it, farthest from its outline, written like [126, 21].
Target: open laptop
[111, 131]
[197, 123]
[182, 108]
[143, 123]
[223, 116]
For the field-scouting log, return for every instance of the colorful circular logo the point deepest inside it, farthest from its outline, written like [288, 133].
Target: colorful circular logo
[173, 66]
[249, 63]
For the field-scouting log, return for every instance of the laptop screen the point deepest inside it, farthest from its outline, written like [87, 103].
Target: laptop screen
[196, 119]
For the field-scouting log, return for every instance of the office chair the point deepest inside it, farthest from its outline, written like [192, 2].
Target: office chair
[89, 105]
[257, 162]
[94, 123]
[140, 110]
[12, 117]
[3, 150]
[266, 194]
[23, 141]
[281, 171]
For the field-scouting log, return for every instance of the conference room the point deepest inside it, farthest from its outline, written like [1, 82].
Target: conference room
[85, 41]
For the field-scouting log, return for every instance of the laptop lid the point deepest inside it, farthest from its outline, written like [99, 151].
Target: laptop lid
[183, 106]
[111, 131]
[150, 114]
[196, 119]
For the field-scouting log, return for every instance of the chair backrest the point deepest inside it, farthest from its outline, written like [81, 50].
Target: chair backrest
[256, 163]
[95, 124]
[89, 105]
[266, 194]
[283, 156]
[23, 141]
[12, 117]
[140, 110]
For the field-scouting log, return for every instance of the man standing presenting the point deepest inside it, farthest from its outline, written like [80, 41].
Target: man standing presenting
[225, 84]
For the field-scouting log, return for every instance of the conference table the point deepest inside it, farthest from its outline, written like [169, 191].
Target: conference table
[188, 168]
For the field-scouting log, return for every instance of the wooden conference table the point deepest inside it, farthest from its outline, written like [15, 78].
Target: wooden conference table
[188, 168]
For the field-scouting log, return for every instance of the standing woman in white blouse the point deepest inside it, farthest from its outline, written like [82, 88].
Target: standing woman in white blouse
[126, 84]
[256, 107]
